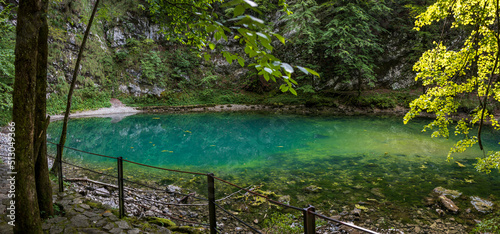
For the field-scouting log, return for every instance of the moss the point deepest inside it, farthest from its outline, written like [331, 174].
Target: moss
[162, 222]
[186, 229]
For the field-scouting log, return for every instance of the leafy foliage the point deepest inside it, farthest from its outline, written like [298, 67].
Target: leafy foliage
[194, 23]
[471, 69]
[7, 42]
[488, 225]
[153, 69]
[282, 223]
[350, 37]
[343, 37]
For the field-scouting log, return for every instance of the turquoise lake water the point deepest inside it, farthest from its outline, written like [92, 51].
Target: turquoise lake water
[348, 157]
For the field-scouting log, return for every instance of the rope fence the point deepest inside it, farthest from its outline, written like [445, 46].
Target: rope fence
[309, 213]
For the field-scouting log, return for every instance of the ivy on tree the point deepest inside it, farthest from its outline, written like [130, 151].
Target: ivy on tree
[196, 23]
[471, 70]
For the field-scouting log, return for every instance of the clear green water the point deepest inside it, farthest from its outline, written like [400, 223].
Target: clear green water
[351, 158]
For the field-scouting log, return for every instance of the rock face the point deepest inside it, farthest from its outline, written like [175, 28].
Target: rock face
[482, 205]
[448, 204]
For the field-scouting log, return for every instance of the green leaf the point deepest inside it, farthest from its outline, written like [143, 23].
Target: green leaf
[302, 69]
[281, 38]
[284, 88]
[251, 3]
[211, 28]
[228, 56]
[287, 67]
[312, 71]
[292, 90]
[239, 10]
[231, 3]
[206, 56]
[211, 45]
[241, 61]
[262, 35]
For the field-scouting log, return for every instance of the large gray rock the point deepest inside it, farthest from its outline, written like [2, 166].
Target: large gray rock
[117, 37]
[123, 89]
[134, 90]
[446, 192]
[80, 221]
[102, 192]
[448, 204]
[156, 91]
[122, 224]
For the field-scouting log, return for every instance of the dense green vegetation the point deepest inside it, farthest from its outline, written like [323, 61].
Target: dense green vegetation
[146, 53]
[7, 42]
[185, 78]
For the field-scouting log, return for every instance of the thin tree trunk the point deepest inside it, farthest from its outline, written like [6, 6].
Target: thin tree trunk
[62, 140]
[43, 185]
[492, 77]
[26, 202]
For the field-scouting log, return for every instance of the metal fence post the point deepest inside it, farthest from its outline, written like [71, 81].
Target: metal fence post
[309, 220]
[120, 188]
[60, 171]
[211, 203]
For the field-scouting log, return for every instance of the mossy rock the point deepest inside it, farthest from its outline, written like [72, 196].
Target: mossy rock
[186, 229]
[162, 222]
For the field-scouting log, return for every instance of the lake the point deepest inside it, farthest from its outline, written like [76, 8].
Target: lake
[349, 158]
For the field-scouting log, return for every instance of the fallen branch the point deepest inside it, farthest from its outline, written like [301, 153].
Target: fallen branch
[91, 181]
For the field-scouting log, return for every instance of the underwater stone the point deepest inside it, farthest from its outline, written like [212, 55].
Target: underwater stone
[440, 212]
[447, 192]
[377, 192]
[284, 199]
[482, 205]
[448, 204]
[313, 188]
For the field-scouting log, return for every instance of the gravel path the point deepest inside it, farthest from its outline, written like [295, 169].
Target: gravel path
[113, 112]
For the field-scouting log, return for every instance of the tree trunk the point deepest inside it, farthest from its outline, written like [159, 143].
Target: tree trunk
[26, 202]
[43, 185]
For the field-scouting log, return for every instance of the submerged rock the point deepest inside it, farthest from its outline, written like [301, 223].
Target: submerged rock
[313, 188]
[482, 205]
[447, 192]
[377, 192]
[448, 204]
[284, 199]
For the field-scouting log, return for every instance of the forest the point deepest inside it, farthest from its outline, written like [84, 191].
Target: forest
[128, 58]
[436, 56]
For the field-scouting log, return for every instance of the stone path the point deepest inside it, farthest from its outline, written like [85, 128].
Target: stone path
[80, 215]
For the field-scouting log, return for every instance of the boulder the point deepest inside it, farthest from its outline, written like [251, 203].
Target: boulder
[102, 192]
[134, 90]
[123, 89]
[173, 189]
[446, 192]
[156, 91]
[448, 204]
[482, 205]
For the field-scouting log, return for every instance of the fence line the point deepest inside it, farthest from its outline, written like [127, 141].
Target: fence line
[260, 195]
[234, 216]
[170, 216]
[163, 190]
[308, 213]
